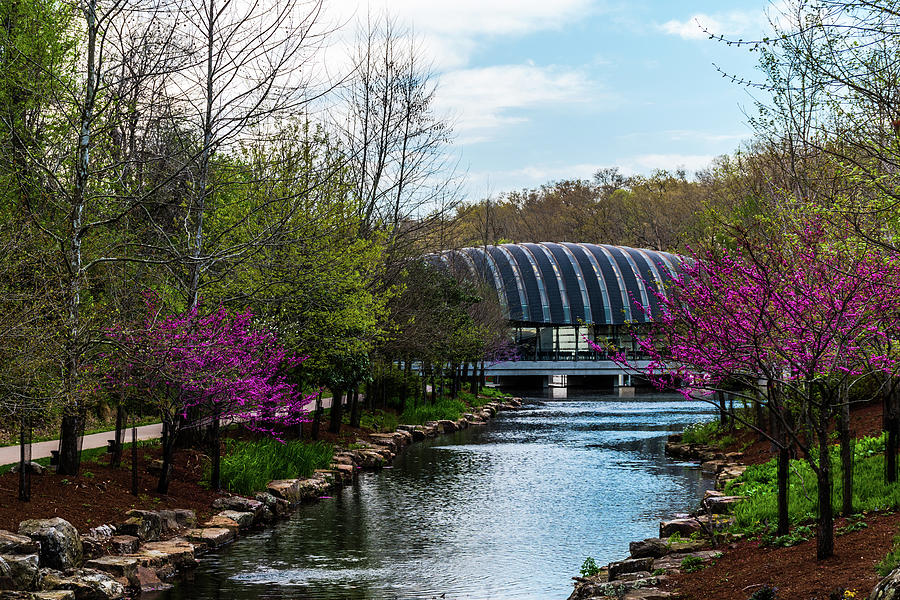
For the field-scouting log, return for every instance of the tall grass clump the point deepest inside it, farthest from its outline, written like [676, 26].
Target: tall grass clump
[248, 466]
[758, 483]
[444, 408]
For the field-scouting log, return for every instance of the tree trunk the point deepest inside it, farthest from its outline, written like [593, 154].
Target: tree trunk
[134, 461]
[825, 522]
[215, 478]
[355, 406]
[890, 424]
[116, 459]
[473, 382]
[404, 389]
[168, 445]
[723, 413]
[24, 460]
[481, 379]
[337, 411]
[317, 417]
[846, 460]
[784, 461]
[69, 458]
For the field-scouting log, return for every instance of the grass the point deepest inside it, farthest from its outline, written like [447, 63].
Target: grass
[758, 483]
[891, 561]
[248, 466]
[444, 408]
[707, 433]
[377, 420]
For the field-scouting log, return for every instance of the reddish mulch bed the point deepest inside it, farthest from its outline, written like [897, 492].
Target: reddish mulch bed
[746, 566]
[104, 496]
[795, 571]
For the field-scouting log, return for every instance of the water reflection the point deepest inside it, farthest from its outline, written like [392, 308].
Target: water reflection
[507, 511]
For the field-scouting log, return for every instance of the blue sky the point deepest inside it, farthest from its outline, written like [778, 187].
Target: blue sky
[541, 90]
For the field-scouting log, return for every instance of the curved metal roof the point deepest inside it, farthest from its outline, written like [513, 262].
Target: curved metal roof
[552, 283]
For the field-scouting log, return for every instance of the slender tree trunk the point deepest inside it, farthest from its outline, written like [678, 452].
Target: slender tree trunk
[168, 446]
[784, 461]
[134, 461]
[473, 381]
[216, 475]
[116, 458]
[723, 413]
[24, 460]
[890, 424]
[825, 522]
[317, 417]
[68, 445]
[404, 390]
[482, 380]
[337, 411]
[846, 459]
[355, 412]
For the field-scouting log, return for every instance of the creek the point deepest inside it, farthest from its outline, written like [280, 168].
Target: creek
[506, 511]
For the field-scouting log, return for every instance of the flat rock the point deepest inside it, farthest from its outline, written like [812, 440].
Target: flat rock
[651, 547]
[124, 544]
[647, 594]
[148, 581]
[144, 524]
[683, 527]
[176, 552]
[721, 505]
[243, 519]
[19, 571]
[185, 517]
[118, 567]
[88, 584]
[13, 543]
[239, 504]
[60, 544]
[631, 565]
[211, 537]
[221, 522]
[286, 489]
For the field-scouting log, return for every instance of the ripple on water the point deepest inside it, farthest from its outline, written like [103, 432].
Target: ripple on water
[504, 512]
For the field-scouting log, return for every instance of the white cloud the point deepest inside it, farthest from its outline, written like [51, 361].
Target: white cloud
[732, 23]
[645, 163]
[484, 99]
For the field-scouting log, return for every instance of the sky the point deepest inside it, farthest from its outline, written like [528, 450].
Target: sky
[543, 90]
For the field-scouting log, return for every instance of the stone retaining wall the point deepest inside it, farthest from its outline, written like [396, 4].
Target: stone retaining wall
[49, 560]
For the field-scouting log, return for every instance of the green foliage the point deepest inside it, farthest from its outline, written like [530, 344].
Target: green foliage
[891, 561]
[589, 567]
[759, 484]
[797, 535]
[764, 593]
[248, 466]
[692, 564]
[444, 408]
[377, 420]
[700, 433]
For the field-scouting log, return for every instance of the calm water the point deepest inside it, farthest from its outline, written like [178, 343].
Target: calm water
[507, 511]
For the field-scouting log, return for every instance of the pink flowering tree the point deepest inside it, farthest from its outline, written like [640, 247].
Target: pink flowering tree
[797, 320]
[200, 370]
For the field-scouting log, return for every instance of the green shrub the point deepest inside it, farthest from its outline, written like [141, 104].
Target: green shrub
[589, 567]
[891, 561]
[248, 466]
[444, 408]
[700, 433]
[764, 593]
[691, 564]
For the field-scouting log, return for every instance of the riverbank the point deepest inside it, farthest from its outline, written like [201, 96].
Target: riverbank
[144, 562]
[749, 563]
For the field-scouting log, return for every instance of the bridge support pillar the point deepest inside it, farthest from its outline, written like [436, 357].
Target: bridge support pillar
[624, 387]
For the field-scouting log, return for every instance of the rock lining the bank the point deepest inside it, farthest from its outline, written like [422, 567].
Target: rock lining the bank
[49, 560]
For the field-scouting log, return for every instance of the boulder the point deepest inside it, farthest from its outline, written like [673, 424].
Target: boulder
[59, 541]
[240, 504]
[631, 565]
[13, 543]
[93, 547]
[149, 581]
[683, 527]
[88, 584]
[721, 505]
[888, 588]
[286, 489]
[211, 537]
[244, 520]
[277, 507]
[461, 424]
[30, 467]
[221, 522]
[651, 547]
[19, 571]
[185, 517]
[102, 532]
[167, 522]
[176, 552]
[446, 426]
[146, 525]
[122, 568]
[418, 435]
[124, 544]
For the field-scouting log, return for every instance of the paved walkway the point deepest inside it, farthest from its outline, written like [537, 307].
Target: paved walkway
[10, 454]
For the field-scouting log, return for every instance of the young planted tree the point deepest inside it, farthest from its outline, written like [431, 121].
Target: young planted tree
[217, 363]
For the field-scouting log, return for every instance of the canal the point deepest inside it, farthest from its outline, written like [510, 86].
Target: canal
[507, 511]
